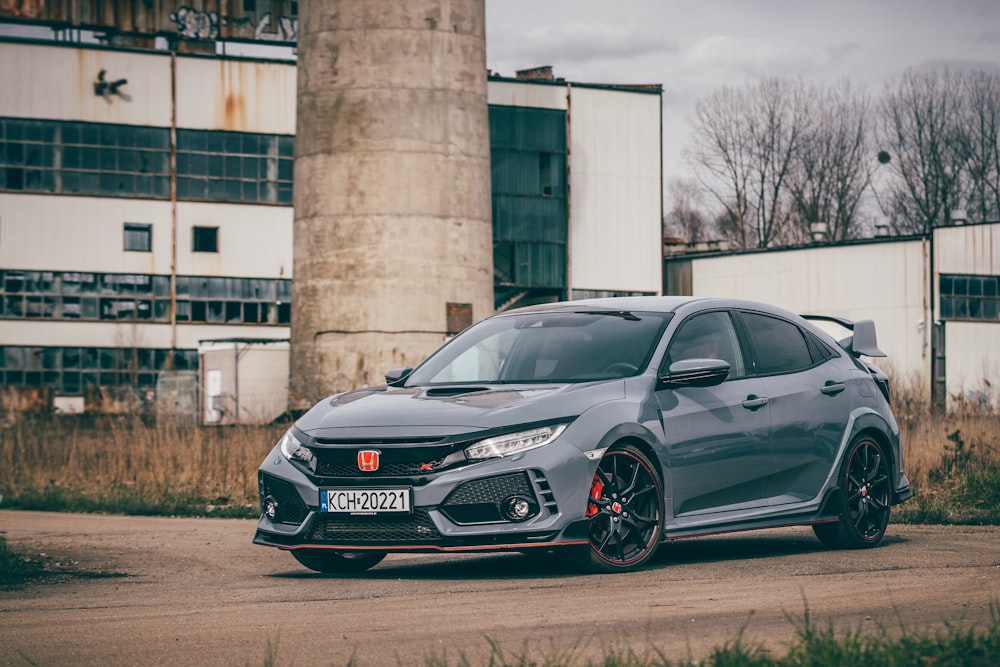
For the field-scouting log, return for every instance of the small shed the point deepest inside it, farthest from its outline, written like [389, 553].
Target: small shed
[243, 380]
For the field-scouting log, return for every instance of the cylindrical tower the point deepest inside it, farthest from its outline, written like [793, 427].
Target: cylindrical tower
[393, 240]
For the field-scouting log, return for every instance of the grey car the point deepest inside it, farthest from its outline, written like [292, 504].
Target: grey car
[597, 428]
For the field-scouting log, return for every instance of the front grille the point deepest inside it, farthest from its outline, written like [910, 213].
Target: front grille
[340, 459]
[403, 469]
[413, 529]
[291, 509]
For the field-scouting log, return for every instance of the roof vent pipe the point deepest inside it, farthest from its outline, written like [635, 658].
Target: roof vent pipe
[818, 231]
[882, 226]
[959, 217]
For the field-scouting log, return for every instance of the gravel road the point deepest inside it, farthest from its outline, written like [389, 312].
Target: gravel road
[179, 591]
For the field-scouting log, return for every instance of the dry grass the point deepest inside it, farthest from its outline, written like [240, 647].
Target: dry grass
[122, 464]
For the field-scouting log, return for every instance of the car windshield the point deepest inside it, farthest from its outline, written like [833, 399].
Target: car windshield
[546, 347]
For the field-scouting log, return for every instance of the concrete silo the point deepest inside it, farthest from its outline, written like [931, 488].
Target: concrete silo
[392, 233]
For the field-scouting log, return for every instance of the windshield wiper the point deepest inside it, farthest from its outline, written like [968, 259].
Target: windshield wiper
[624, 314]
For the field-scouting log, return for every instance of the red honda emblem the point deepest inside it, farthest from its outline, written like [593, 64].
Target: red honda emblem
[368, 460]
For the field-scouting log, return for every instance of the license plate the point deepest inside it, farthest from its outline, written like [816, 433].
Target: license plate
[365, 501]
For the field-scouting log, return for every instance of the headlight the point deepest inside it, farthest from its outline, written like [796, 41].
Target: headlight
[294, 450]
[503, 445]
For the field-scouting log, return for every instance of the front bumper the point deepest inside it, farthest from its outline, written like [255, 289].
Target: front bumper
[457, 510]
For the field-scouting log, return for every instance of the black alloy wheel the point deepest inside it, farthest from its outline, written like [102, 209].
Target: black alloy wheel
[625, 509]
[865, 499]
[329, 561]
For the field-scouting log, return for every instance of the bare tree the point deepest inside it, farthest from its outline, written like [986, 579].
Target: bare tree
[745, 141]
[920, 130]
[686, 218]
[721, 157]
[980, 123]
[832, 165]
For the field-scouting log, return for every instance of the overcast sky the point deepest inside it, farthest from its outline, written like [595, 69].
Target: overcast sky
[693, 47]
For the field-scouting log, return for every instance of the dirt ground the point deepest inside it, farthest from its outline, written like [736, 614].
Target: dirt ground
[139, 590]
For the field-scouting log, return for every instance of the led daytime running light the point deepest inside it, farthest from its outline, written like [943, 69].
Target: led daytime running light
[504, 445]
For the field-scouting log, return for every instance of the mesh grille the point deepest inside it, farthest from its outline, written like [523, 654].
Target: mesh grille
[291, 509]
[416, 528]
[341, 459]
[490, 490]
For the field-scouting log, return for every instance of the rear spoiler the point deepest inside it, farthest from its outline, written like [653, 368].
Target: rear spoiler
[862, 341]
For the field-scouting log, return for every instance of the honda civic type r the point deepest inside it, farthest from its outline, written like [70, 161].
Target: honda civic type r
[599, 428]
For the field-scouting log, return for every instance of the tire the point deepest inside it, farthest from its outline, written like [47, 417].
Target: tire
[864, 499]
[329, 561]
[625, 509]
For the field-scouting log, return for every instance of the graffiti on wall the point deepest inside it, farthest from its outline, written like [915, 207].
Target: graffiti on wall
[286, 30]
[196, 24]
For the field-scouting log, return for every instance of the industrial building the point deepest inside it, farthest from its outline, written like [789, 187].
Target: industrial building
[146, 189]
[934, 298]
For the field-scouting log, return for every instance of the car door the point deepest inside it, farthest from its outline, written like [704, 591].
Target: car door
[806, 384]
[717, 452]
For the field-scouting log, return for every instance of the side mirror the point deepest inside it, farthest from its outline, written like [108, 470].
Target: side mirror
[695, 373]
[397, 375]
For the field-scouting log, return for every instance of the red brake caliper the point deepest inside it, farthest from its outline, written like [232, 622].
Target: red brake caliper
[596, 490]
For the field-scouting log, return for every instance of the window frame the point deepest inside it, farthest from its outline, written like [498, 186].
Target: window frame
[742, 317]
[137, 230]
[200, 231]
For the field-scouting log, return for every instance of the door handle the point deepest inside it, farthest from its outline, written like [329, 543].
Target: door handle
[832, 388]
[754, 403]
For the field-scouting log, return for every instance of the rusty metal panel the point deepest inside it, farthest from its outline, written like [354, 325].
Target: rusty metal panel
[58, 82]
[236, 95]
[459, 316]
[266, 20]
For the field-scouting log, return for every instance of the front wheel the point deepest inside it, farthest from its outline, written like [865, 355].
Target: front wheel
[625, 509]
[329, 561]
[864, 499]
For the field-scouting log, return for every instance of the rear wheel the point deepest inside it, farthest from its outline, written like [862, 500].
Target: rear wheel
[329, 561]
[625, 510]
[864, 499]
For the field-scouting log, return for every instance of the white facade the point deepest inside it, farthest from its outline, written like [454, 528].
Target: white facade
[883, 282]
[68, 267]
[616, 191]
[971, 348]
[615, 180]
[897, 283]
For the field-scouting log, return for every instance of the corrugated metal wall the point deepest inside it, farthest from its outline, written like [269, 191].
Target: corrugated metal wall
[615, 209]
[884, 282]
[57, 83]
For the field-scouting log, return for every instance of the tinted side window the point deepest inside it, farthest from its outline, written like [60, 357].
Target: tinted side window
[708, 336]
[818, 349]
[780, 345]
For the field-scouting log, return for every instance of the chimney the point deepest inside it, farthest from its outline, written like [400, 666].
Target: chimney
[543, 73]
[817, 230]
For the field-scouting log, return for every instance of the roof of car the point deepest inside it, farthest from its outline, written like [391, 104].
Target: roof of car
[655, 304]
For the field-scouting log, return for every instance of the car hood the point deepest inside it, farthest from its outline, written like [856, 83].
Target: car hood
[449, 410]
